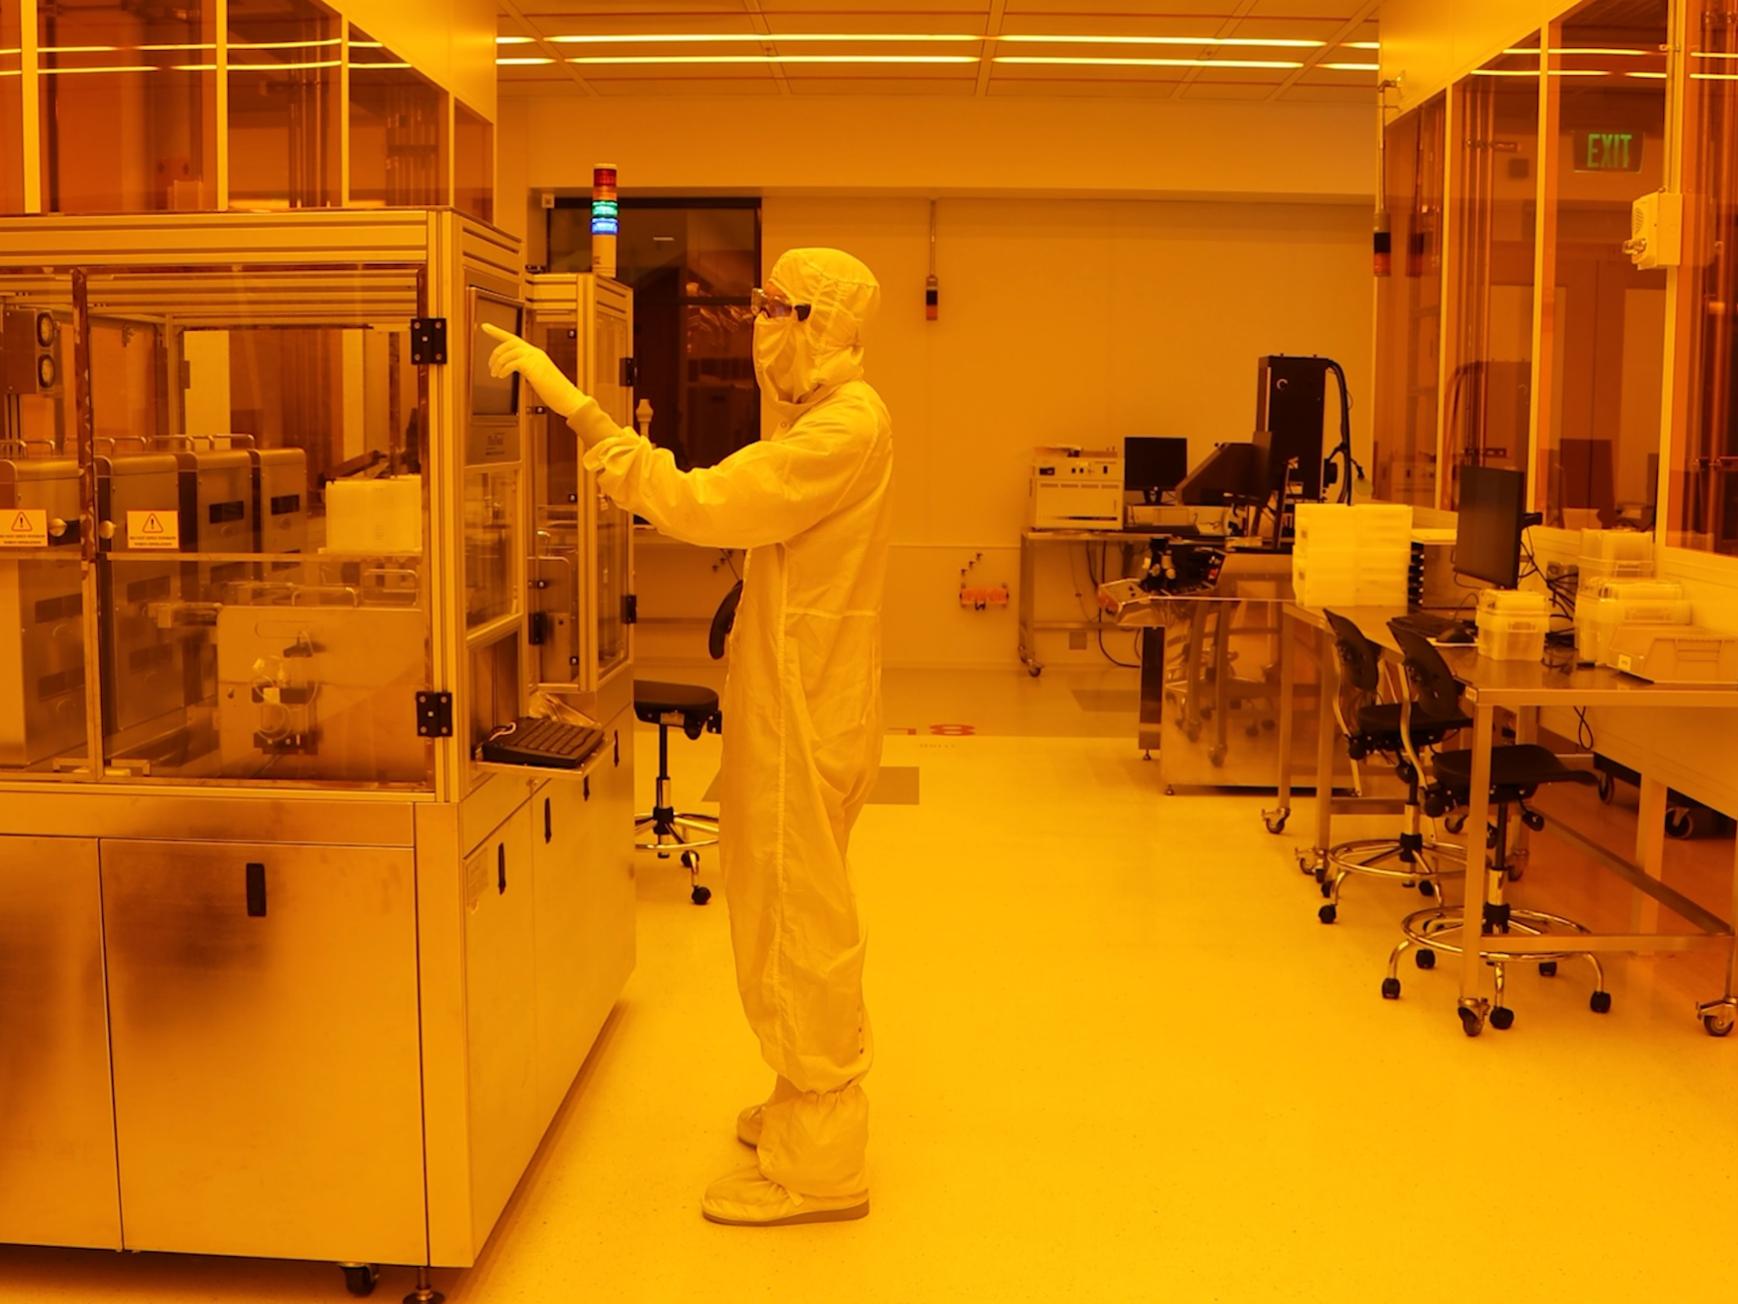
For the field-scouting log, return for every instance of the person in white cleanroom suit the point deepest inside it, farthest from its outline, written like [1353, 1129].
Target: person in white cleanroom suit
[801, 704]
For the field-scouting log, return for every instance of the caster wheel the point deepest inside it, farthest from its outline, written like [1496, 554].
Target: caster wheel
[691, 861]
[1607, 788]
[1502, 1018]
[1327, 914]
[1600, 1003]
[1547, 969]
[1514, 873]
[1192, 731]
[1719, 1023]
[1471, 1022]
[1327, 889]
[663, 855]
[700, 895]
[1390, 989]
[1424, 958]
[1426, 888]
[1275, 823]
[1216, 754]
[1034, 671]
[361, 1278]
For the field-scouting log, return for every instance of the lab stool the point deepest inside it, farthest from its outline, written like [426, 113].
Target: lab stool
[1371, 728]
[665, 830]
[1517, 772]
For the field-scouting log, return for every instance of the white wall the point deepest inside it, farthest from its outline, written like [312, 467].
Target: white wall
[1061, 322]
[1107, 268]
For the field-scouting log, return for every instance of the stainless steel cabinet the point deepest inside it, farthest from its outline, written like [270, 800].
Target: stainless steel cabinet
[500, 1015]
[585, 909]
[266, 1061]
[56, 1119]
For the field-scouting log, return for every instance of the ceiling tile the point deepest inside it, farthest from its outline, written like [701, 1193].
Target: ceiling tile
[881, 86]
[1224, 91]
[1129, 8]
[1336, 11]
[1096, 89]
[1302, 94]
[685, 87]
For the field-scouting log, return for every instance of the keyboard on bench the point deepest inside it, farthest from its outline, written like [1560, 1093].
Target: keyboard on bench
[552, 744]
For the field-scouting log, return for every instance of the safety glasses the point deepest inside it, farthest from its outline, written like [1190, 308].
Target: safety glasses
[770, 303]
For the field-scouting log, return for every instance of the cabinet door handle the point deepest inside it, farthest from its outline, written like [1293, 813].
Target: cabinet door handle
[618, 746]
[585, 788]
[501, 866]
[256, 890]
[548, 822]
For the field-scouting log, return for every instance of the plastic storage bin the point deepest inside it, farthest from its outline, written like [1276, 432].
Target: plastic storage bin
[1512, 624]
[1354, 556]
[1614, 555]
[1600, 611]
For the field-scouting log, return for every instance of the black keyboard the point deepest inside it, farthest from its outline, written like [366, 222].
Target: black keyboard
[1433, 627]
[548, 743]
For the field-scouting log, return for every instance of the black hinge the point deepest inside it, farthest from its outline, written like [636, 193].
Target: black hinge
[428, 341]
[434, 714]
[630, 372]
[631, 609]
[537, 628]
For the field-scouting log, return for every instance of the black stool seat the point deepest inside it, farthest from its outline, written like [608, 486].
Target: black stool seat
[1515, 770]
[654, 702]
[1383, 719]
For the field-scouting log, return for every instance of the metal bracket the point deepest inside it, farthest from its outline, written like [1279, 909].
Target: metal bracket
[630, 372]
[631, 609]
[434, 714]
[428, 341]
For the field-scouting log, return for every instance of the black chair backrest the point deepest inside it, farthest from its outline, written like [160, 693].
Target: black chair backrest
[1361, 658]
[722, 620]
[1438, 689]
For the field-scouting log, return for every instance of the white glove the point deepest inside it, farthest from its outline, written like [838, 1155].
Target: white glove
[559, 394]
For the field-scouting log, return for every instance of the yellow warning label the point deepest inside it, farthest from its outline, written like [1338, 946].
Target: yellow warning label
[23, 527]
[154, 531]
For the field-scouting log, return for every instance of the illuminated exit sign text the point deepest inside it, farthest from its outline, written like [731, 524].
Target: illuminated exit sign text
[1608, 151]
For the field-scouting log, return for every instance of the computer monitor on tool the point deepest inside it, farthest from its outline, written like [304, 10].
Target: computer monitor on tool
[1151, 466]
[1487, 539]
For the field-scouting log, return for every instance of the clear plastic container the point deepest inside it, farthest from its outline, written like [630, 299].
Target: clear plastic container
[1512, 624]
[1599, 611]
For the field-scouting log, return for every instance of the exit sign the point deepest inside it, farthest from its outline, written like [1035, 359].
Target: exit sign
[1607, 151]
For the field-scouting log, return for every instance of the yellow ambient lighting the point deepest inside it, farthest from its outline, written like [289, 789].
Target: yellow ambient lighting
[1620, 50]
[757, 38]
[1166, 40]
[50, 72]
[284, 45]
[286, 67]
[520, 63]
[776, 58]
[78, 49]
[1352, 67]
[1714, 76]
[1152, 63]
[1712, 54]
[1363, 45]
[1658, 76]
[886, 38]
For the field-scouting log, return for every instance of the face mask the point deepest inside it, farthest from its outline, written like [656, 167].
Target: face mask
[778, 358]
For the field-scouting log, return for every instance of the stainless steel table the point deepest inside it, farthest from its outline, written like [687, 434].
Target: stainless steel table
[1523, 688]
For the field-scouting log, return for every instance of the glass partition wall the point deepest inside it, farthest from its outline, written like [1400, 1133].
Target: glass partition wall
[1493, 192]
[1408, 350]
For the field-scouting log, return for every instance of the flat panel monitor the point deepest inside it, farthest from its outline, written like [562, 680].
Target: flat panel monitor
[1487, 539]
[492, 396]
[1153, 466]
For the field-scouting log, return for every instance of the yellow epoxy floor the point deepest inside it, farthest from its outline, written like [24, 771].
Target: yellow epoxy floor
[1119, 1060]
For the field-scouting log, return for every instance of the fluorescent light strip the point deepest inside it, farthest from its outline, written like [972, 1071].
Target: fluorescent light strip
[1712, 54]
[282, 67]
[1351, 67]
[284, 45]
[1657, 76]
[604, 61]
[1362, 45]
[51, 72]
[756, 38]
[1165, 40]
[1621, 50]
[521, 63]
[1714, 76]
[1150, 63]
[1555, 72]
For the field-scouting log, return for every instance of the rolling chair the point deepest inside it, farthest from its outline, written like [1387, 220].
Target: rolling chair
[1372, 727]
[693, 709]
[1517, 772]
